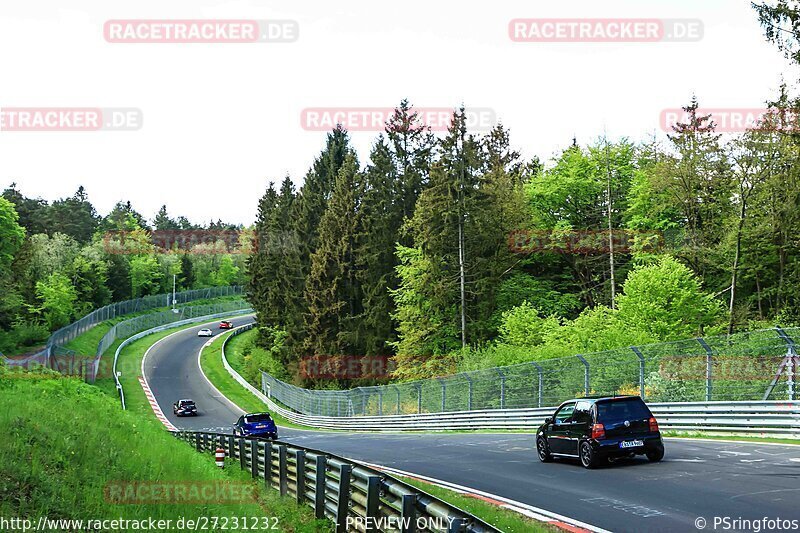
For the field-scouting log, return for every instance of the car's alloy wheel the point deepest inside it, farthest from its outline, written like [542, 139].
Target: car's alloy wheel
[587, 454]
[543, 452]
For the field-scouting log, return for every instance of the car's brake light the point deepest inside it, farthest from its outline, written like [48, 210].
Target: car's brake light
[598, 431]
[653, 425]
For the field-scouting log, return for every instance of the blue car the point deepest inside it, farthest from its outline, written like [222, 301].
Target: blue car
[258, 425]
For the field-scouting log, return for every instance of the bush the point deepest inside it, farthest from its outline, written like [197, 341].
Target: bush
[665, 299]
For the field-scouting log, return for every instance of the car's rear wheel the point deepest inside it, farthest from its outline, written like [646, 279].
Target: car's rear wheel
[655, 455]
[588, 455]
[542, 451]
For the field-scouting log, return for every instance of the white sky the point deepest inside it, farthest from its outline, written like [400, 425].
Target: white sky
[220, 120]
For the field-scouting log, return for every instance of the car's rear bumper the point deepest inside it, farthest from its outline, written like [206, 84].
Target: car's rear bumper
[263, 435]
[611, 447]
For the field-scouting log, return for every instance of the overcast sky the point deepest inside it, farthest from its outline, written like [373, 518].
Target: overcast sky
[221, 120]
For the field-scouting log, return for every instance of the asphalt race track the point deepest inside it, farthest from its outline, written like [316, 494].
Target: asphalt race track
[695, 479]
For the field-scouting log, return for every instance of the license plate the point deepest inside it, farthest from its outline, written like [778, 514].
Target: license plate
[631, 443]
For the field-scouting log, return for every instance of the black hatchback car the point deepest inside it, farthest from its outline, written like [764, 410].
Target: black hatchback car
[595, 430]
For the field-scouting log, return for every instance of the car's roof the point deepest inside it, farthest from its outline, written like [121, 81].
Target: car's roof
[186, 400]
[594, 399]
[254, 414]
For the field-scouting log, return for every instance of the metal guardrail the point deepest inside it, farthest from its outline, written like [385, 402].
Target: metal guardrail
[764, 419]
[755, 418]
[68, 333]
[756, 365]
[354, 496]
[162, 327]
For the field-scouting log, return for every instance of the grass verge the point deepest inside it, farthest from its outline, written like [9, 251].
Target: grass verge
[68, 443]
[742, 438]
[503, 519]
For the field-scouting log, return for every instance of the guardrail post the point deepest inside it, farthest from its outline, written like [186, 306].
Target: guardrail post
[408, 515]
[319, 487]
[242, 458]
[709, 363]
[641, 369]
[540, 373]
[586, 387]
[343, 503]
[197, 442]
[268, 464]
[254, 458]
[283, 470]
[230, 447]
[300, 457]
[373, 502]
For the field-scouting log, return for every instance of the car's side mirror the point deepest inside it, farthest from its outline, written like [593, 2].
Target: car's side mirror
[548, 420]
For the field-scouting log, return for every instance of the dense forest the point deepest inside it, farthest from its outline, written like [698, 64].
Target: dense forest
[61, 260]
[452, 253]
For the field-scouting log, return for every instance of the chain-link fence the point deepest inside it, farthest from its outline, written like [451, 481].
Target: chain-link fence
[758, 365]
[68, 333]
[92, 367]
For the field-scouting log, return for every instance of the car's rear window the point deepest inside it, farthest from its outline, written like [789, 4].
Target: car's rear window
[622, 409]
[257, 418]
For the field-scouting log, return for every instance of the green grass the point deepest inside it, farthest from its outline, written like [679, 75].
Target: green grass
[211, 363]
[67, 441]
[743, 438]
[503, 519]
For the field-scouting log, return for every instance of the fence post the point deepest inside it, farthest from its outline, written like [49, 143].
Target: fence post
[267, 464]
[197, 442]
[373, 502]
[343, 503]
[709, 363]
[283, 473]
[444, 392]
[469, 392]
[419, 397]
[254, 458]
[300, 458]
[540, 373]
[319, 488]
[502, 387]
[230, 447]
[380, 401]
[408, 515]
[791, 362]
[397, 390]
[586, 387]
[242, 458]
[641, 369]
[457, 525]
